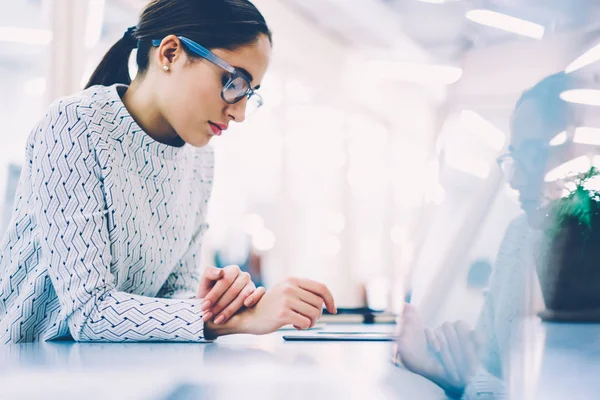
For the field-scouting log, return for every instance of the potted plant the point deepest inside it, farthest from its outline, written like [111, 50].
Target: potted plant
[569, 269]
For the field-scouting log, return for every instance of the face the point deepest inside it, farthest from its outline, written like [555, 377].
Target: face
[189, 93]
[534, 158]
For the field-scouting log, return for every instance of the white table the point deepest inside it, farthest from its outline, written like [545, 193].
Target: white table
[234, 367]
[570, 362]
[266, 367]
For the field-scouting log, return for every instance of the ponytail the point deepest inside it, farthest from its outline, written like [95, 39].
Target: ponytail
[215, 24]
[114, 67]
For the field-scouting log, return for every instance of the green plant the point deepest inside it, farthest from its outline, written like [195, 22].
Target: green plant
[579, 205]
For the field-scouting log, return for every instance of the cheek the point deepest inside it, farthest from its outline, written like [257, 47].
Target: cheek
[192, 100]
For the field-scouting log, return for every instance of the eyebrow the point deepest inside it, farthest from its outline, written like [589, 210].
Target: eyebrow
[248, 74]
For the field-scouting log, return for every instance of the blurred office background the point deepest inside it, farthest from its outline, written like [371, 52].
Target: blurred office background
[372, 166]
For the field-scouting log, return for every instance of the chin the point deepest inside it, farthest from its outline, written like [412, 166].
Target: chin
[199, 140]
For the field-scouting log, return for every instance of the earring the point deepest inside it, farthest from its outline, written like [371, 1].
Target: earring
[165, 68]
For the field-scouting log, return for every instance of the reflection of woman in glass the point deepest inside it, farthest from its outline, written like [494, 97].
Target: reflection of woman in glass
[109, 218]
[449, 355]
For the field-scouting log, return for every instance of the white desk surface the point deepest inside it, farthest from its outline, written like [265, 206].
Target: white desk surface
[234, 367]
[570, 362]
[267, 367]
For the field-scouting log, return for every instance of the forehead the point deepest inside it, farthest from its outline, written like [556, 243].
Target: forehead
[254, 58]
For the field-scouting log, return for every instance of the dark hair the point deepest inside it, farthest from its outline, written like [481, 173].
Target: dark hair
[555, 113]
[215, 24]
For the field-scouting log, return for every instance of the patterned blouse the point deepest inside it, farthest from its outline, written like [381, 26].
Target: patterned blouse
[105, 238]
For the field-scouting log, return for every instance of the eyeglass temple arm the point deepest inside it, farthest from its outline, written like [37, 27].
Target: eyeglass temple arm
[202, 52]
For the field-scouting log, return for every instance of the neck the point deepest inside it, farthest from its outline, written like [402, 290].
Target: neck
[141, 104]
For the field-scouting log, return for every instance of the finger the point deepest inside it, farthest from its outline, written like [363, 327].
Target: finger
[299, 321]
[207, 280]
[456, 347]
[320, 290]
[434, 344]
[306, 310]
[207, 316]
[255, 297]
[309, 297]
[221, 286]
[446, 357]
[235, 305]
[470, 347]
[232, 293]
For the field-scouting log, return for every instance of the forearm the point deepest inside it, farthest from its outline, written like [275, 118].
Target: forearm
[117, 316]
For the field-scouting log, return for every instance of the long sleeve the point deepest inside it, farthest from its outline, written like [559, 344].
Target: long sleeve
[501, 310]
[184, 281]
[485, 386]
[71, 213]
[486, 328]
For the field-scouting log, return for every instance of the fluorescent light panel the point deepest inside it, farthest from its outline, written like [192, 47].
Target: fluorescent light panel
[587, 58]
[569, 169]
[586, 135]
[559, 139]
[506, 23]
[590, 97]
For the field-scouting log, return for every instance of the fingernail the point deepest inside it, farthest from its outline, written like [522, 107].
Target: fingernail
[220, 320]
[206, 305]
[207, 316]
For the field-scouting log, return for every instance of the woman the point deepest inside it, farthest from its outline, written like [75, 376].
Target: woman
[110, 211]
[450, 355]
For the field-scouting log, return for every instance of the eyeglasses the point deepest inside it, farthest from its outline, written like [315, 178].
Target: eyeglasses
[530, 158]
[237, 87]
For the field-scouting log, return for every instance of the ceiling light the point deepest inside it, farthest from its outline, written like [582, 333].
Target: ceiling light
[569, 169]
[559, 139]
[506, 23]
[590, 97]
[587, 58]
[585, 135]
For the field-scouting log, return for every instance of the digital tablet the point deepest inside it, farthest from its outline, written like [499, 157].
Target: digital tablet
[345, 336]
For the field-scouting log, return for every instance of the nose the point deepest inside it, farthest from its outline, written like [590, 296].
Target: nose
[237, 111]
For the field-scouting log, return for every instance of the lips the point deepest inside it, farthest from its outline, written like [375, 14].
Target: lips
[217, 129]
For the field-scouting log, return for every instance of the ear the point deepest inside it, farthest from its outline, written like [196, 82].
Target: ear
[170, 50]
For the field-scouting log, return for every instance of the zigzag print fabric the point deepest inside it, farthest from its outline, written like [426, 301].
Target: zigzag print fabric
[105, 238]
